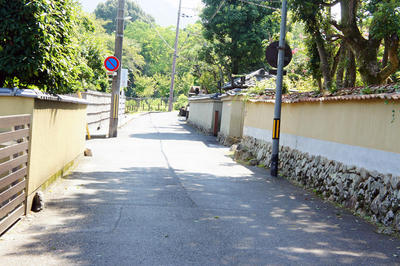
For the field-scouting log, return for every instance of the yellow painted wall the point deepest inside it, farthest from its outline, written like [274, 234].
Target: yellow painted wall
[259, 115]
[11, 105]
[58, 137]
[361, 123]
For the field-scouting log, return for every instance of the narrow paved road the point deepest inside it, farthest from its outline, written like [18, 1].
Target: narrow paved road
[161, 194]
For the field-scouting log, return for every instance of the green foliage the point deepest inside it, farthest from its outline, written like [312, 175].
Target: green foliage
[268, 84]
[37, 45]
[386, 18]
[261, 86]
[236, 33]
[183, 83]
[302, 85]
[155, 46]
[374, 21]
[145, 86]
[208, 81]
[163, 84]
[108, 12]
[157, 55]
[147, 104]
[189, 62]
[91, 53]
[182, 101]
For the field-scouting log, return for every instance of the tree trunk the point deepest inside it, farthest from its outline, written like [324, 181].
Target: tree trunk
[341, 60]
[2, 78]
[319, 82]
[351, 72]
[325, 69]
[385, 53]
[235, 66]
[221, 76]
[366, 51]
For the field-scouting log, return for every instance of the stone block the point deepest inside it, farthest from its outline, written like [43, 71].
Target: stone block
[395, 182]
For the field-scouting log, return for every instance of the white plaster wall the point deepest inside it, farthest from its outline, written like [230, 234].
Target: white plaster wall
[201, 114]
[98, 111]
[370, 159]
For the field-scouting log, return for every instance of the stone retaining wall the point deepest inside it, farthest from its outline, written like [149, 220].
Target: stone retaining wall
[368, 193]
[227, 140]
[199, 128]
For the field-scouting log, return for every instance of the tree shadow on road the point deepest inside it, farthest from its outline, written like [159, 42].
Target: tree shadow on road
[152, 216]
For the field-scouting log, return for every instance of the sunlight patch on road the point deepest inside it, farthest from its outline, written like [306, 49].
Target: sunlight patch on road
[327, 252]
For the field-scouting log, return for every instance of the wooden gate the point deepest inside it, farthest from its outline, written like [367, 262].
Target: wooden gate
[14, 145]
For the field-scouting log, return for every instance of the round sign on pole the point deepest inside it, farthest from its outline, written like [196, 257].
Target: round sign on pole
[271, 54]
[111, 63]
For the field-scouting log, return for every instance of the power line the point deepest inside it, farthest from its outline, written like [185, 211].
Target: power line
[161, 37]
[190, 8]
[244, 1]
[216, 11]
[257, 4]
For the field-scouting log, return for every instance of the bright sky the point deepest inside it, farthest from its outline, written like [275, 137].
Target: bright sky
[164, 11]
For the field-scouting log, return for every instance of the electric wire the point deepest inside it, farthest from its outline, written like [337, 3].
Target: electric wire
[216, 11]
[257, 4]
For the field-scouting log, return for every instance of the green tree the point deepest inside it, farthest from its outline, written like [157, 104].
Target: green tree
[236, 31]
[368, 32]
[145, 86]
[163, 83]
[155, 46]
[108, 12]
[189, 62]
[92, 51]
[36, 44]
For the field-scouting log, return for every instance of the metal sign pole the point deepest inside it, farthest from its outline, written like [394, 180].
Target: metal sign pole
[278, 95]
[119, 36]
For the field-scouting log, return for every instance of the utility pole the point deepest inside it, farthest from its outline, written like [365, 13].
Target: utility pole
[278, 94]
[171, 89]
[119, 36]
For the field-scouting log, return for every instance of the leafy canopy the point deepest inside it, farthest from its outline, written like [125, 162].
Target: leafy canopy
[236, 31]
[108, 12]
[37, 44]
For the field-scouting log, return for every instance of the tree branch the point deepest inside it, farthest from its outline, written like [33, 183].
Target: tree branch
[336, 59]
[330, 4]
[394, 60]
[334, 37]
[336, 25]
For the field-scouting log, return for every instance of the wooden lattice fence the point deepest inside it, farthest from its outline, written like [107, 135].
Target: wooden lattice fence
[14, 145]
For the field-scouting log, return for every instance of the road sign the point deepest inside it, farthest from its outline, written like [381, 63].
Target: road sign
[124, 78]
[111, 63]
[271, 54]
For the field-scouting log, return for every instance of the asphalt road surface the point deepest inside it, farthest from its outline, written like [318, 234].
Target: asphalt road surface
[162, 194]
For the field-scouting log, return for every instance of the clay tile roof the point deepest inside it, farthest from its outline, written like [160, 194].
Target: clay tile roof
[385, 92]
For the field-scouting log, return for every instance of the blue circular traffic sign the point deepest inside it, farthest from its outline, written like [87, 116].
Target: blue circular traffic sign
[111, 63]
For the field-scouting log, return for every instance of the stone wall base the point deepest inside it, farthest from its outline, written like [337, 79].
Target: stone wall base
[199, 128]
[227, 140]
[368, 193]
